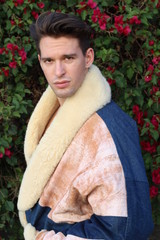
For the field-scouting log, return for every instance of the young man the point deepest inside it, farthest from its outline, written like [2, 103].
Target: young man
[85, 176]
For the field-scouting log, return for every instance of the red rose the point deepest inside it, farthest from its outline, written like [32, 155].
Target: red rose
[154, 90]
[155, 60]
[6, 72]
[155, 121]
[135, 20]
[146, 146]
[10, 46]
[12, 22]
[126, 30]
[118, 20]
[2, 50]
[34, 14]
[91, 4]
[8, 152]
[148, 78]
[13, 64]
[111, 81]
[135, 109]
[23, 55]
[1, 155]
[151, 43]
[40, 5]
[156, 176]
[153, 191]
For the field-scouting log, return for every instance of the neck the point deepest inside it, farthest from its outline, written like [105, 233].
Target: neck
[61, 101]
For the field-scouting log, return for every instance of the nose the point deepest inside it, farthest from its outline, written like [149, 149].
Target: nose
[59, 69]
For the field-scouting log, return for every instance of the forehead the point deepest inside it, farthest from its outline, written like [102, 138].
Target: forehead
[61, 45]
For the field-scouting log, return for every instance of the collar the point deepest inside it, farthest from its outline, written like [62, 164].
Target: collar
[43, 153]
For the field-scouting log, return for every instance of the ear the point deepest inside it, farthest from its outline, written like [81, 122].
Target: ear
[39, 58]
[89, 57]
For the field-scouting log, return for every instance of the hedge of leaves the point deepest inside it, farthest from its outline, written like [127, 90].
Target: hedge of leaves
[125, 37]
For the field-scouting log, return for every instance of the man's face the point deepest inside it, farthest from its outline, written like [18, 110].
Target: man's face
[64, 64]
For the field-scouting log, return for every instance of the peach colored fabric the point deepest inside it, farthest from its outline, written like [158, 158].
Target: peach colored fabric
[59, 236]
[89, 178]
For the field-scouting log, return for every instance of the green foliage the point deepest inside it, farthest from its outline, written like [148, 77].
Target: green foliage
[127, 50]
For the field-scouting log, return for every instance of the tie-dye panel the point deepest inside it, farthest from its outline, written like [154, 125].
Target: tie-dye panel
[89, 179]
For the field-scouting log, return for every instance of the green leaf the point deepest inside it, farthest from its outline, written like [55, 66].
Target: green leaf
[9, 206]
[70, 3]
[12, 161]
[120, 81]
[130, 73]
[158, 149]
[129, 101]
[154, 134]
[150, 102]
[84, 15]
[1, 78]
[16, 114]
[4, 143]
[144, 20]
[144, 131]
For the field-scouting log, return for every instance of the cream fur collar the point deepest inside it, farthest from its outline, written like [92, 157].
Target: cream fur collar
[43, 154]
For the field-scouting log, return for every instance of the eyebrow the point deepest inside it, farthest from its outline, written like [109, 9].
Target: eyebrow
[64, 56]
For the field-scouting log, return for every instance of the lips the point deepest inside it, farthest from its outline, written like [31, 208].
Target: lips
[62, 84]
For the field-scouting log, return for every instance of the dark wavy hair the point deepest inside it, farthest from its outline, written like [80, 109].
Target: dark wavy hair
[56, 25]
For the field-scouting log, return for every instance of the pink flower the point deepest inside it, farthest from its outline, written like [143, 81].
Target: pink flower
[111, 81]
[156, 176]
[23, 55]
[25, 10]
[13, 22]
[118, 20]
[10, 46]
[148, 78]
[138, 115]
[2, 50]
[150, 68]
[91, 4]
[34, 14]
[102, 24]
[1, 155]
[116, 7]
[94, 18]
[155, 121]
[6, 72]
[156, 60]
[13, 64]
[146, 146]
[135, 20]
[119, 28]
[40, 5]
[151, 43]
[154, 90]
[20, 2]
[15, 47]
[135, 109]
[153, 191]
[126, 30]
[110, 69]
[8, 152]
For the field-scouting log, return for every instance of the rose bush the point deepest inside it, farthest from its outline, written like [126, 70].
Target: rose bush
[126, 41]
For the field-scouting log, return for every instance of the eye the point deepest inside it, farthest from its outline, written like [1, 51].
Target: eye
[48, 61]
[69, 59]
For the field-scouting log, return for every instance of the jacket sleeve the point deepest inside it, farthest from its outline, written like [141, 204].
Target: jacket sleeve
[107, 228]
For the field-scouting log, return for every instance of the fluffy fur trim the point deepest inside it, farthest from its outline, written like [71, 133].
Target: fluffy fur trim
[43, 153]
[22, 217]
[29, 232]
